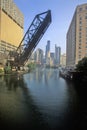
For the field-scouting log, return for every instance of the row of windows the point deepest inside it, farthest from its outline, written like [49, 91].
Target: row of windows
[6, 46]
[80, 28]
[81, 52]
[80, 23]
[80, 9]
[82, 17]
[3, 43]
[80, 36]
[80, 56]
[80, 43]
[10, 8]
[81, 48]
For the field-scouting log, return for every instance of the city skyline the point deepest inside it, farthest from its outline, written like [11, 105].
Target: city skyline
[62, 13]
[48, 58]
[51, 51]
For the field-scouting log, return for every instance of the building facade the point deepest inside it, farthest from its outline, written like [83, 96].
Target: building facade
[76, 39]
[63, 60]
[52, 59]
[39, 56]
[57, 55]
[47, 53]
[11, 26]
[47, 49]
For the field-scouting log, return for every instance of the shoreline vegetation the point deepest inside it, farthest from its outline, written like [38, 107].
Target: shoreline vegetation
[8, 70]
[79, 73]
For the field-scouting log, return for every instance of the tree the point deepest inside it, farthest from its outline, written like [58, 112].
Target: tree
[7, 69]
[82, 65]
[31, 66]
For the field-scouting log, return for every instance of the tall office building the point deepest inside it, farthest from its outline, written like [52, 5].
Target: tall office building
[57, 55]
[47, 48]
[47, 53]
[52, 59]
[76, 40]
[11, 26]
[39, 56]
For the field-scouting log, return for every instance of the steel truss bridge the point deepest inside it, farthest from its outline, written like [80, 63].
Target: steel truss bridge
[32, 37]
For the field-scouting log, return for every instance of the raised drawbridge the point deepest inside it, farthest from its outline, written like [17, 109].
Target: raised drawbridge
[32, 37]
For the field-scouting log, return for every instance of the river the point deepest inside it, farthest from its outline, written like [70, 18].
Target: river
[41, 100]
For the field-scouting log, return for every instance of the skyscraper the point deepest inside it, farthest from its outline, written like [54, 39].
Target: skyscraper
[39, 56]
[76, 47]
[52, 59]
[57, 55]
[47, 54]
[47, 48]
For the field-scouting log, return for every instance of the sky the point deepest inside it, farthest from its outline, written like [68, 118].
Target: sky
[62, 12]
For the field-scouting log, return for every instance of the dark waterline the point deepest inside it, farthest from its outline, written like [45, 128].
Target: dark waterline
[40, 100]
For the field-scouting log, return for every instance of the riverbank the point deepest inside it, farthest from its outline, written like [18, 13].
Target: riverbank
[73, 76]
[19, 72]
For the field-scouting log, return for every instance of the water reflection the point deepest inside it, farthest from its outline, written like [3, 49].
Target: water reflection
[40, 99]
[43, 75]
[52, 96]
[17, 109]
[11, 82]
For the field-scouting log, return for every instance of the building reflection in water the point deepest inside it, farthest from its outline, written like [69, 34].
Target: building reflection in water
[44, 75]
[11, 82]
[39, 99]
[52, 95]
[17, 109]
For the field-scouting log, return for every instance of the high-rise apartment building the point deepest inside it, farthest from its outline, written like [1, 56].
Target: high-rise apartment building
[76, 47]
[11, 26]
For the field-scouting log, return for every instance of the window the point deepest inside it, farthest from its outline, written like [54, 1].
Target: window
[85, 17]
[80, 9]
[79, 47]
[80, 18]
[86, 7]
[80, 29]
[79, 56]
[80, 22]
[80, 40]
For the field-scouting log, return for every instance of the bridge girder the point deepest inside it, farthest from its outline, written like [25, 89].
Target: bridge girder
[32, 37]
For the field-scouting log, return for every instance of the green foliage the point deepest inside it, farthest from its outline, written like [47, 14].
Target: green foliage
[1, 71]
[82, 65]
[7, 69]
[31, 66]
